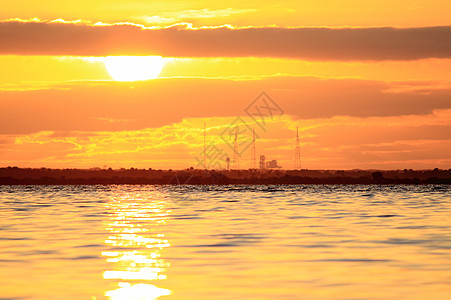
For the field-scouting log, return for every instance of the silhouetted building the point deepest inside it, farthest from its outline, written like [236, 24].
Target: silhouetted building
[272, 164]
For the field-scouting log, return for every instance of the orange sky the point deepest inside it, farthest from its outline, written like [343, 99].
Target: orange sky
[367, 82]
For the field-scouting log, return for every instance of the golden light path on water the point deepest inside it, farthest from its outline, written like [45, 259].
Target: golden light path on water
[136, 235]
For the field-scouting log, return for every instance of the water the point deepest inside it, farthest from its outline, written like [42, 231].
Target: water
[225, 242]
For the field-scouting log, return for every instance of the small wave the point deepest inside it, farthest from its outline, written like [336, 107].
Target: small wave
[386, 216]
[81, 257]
[312, 246]
[88, 246]
[351, 260]
[15, 239]
[12, 261]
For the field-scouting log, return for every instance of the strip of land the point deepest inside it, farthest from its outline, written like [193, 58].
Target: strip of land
[45, 176]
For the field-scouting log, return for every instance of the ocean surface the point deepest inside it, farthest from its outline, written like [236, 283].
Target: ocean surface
[225, 242]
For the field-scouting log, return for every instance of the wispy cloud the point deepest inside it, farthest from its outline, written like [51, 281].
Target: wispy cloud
[192, 14]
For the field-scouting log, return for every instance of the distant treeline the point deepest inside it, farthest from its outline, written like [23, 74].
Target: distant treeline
[45, 176]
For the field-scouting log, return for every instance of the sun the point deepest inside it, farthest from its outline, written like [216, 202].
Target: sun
[132, 68]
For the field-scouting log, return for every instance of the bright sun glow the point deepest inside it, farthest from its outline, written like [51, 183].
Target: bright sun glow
[131, 68]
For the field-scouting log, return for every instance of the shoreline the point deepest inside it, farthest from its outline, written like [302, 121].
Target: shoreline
[46, 176]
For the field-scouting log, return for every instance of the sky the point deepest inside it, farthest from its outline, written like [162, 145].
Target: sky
[367, 84]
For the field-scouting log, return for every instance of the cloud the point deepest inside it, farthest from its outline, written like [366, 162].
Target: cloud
[157, 19]
[338, 142]
[192, 14]
[113, 106]
[347, 44]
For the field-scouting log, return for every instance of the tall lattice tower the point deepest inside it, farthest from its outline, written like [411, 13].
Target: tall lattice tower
[297, 152]
[205, 149]
[236, 154]
[253, 154]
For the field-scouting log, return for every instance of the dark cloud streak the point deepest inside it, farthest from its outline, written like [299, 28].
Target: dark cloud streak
[155, 103]
[347, 44]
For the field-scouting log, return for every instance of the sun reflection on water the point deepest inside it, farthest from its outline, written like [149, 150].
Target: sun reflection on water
[136, 244]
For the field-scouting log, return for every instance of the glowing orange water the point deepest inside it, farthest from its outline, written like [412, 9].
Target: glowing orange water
[309, 242]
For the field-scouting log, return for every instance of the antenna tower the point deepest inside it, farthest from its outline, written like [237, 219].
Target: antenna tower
[205, 151]
[253, 155]
[297, 152]
[236, 155]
